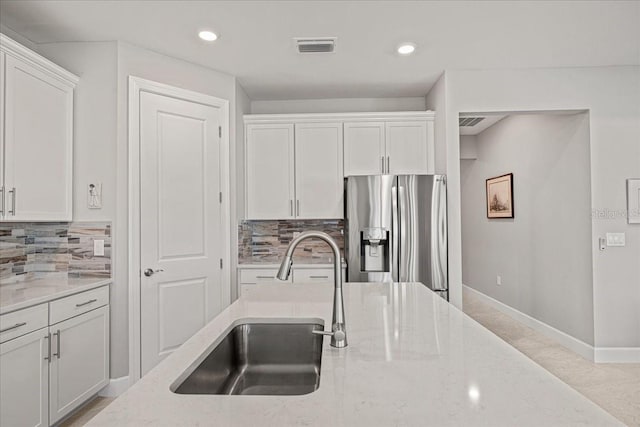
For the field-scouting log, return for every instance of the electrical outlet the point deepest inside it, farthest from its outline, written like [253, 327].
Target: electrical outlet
[499, 280]
[616, 239]
[98, 247]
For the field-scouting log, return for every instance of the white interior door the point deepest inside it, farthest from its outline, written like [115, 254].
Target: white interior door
[180, 223]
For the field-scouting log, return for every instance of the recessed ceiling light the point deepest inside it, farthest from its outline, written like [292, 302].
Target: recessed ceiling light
[208, 35]
[406, 48]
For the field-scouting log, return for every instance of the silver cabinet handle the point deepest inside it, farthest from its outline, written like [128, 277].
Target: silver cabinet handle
[318, 277]
[2, 203]
[290, 207]
[382, 163]
[17, 325]
[150, 271]
[48, 338]
[297, 207]
[57, 334]
[265, 277]
[388, 165]
[13, 201]
[86, 303]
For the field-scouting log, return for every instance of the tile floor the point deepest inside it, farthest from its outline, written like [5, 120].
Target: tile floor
[614, 387]
[88, 411]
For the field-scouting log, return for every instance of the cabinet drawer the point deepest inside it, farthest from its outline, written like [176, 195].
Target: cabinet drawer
[18, 323]
[260, 275]
[313, 275]
[73, 305]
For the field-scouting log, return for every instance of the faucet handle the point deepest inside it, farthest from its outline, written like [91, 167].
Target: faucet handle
[338, 335]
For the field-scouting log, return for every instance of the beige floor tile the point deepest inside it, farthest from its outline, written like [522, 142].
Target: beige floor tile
[615, 387]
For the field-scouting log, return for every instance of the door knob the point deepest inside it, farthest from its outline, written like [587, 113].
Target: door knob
[150, 271]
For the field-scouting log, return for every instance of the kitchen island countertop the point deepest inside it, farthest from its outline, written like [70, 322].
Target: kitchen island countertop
[412, 360]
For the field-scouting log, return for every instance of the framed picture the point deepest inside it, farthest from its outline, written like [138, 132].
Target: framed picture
[633, 201]
[500, 196]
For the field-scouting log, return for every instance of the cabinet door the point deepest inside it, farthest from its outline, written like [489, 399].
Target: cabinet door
[407, 147]
[38, 137]
[364, 148]
[24, 380]
[269, 171]
[318, 170]
[79, 360]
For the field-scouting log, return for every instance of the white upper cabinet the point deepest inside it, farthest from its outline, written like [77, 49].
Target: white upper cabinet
[270, 171]
[318, 165]
[295, 164]
[37, 142]
[364, 149]
[389, 147]
[407, 148]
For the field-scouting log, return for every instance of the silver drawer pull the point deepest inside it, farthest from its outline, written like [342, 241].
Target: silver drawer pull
[86, 303]
[13, 201]
[318, 277]
[17, 325]
[265, 277]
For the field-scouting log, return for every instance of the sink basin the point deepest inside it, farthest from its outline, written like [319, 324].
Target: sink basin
[258, 358]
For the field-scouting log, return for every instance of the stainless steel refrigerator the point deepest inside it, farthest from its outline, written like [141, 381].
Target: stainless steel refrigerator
[397, 229]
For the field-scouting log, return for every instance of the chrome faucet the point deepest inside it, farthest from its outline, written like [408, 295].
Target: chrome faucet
[338, 331]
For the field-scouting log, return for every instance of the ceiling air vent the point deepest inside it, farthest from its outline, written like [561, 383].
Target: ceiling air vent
[469, 121]
[316, 45]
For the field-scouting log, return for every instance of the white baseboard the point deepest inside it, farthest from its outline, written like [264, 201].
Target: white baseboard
[116, 387]
[617, 354]
[583, 349]
[595, 354]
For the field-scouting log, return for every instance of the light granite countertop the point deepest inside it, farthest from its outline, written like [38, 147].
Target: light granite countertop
[18, 295]
[412, 360]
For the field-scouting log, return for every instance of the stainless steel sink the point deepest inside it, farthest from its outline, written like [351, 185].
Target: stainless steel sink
[256, 358]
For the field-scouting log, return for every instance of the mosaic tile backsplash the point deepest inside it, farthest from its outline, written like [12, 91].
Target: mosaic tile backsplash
[31, 250]
[267, 241]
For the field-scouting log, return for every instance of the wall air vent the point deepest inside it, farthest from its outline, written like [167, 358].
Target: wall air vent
[469, 121]
[316, 45]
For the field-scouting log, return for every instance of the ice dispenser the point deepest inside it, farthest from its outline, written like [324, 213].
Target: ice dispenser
[374, 249]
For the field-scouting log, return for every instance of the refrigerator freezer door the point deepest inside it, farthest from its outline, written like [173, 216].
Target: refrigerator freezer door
[368, 206]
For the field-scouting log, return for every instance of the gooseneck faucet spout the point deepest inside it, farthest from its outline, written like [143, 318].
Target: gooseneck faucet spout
[338, 329]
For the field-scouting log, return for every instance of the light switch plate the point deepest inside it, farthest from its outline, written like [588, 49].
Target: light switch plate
[94, 196]
[98, 247]
[616, 239]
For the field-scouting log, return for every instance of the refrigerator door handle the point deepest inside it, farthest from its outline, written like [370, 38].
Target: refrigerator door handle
[404, 254]
[439, 239]
[395, 236]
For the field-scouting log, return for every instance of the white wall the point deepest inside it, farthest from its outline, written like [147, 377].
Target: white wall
[611, 95]
[338, 105]
[243, 106]
[101, 144]
[94, 150]
[468, 147]
[135, 61]
[543, 254]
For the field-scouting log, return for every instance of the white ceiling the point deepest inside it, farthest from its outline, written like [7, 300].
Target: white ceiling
[256, 38]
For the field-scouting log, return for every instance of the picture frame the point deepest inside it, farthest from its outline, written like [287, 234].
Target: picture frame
[633, 200]
[500, 196]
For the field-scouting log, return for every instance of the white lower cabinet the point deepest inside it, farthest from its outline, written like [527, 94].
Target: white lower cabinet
[24, 380]
[250, 277]
[47, 373]
[79, 361]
